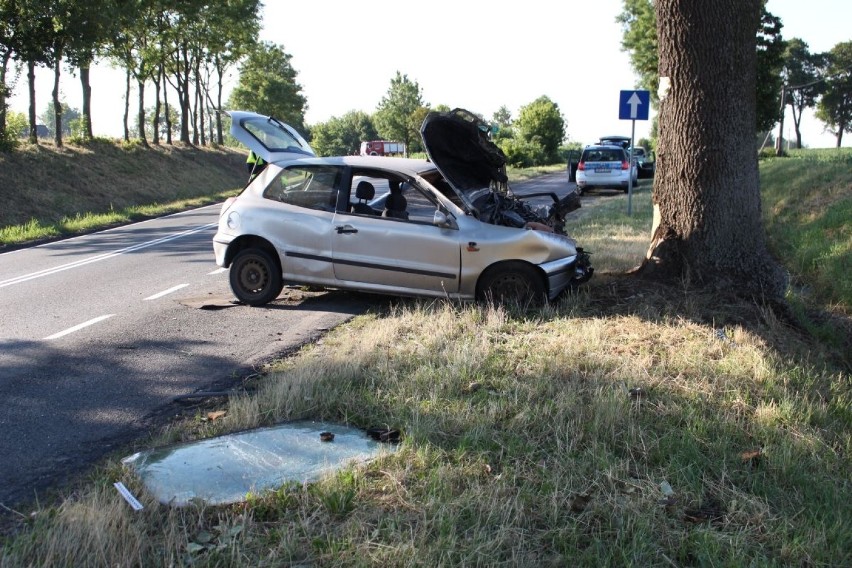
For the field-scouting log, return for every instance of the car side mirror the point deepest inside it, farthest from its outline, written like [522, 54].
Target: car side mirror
[444, 221]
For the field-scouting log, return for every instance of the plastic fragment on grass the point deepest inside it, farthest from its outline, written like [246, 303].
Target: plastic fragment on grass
[128, 496]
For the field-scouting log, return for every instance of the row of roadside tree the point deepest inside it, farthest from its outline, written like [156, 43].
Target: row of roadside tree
[188, 45]
[788, 73]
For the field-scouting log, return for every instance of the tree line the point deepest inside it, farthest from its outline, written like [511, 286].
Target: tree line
[188, 45]
[534, 138]
[788, 73]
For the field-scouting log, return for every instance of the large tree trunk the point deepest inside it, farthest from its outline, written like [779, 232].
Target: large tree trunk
[706, 189]
[219, 68]
[155, 120]
[57, 104]
[168, 117]
[797, 121]
[183, 93]
[4, 66]
[141, 113]
[126, 104]
[87, 101]
[32, 107]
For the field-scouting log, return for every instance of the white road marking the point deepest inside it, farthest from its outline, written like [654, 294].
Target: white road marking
[78, 327]
[105, 256]
[217, 271]
[166, 292]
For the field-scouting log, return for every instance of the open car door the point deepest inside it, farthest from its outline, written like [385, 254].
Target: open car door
[268, 137]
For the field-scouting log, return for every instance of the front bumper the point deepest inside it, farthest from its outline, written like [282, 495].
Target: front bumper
[566, 272]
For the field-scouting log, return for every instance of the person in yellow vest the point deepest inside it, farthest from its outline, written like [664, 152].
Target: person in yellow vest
[254, 165]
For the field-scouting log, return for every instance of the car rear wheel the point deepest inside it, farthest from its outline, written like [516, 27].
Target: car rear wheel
[512, 282]
[255, 277]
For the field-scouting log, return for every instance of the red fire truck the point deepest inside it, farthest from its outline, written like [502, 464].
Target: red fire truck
[382, 148]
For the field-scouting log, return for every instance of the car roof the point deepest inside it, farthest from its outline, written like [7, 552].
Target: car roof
[603, 147]
[408, 166]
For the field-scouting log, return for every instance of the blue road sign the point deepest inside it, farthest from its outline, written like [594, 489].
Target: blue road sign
[634, 105]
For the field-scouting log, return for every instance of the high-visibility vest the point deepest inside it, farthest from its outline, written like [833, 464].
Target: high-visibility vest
[254, 159]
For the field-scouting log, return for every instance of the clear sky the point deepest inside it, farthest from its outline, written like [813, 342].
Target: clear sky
[474, 55]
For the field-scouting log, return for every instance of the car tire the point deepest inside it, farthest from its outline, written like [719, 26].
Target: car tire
[255, 277]
[513, 281]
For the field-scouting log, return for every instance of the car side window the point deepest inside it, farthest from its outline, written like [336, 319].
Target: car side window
[421, 209]
[305, 186]
[372, 199]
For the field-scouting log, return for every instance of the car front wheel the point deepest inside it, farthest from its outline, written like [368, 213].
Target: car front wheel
[512, 282]
[255, 277]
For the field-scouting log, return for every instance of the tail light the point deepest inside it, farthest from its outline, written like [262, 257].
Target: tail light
[581, 166]
[624, 165]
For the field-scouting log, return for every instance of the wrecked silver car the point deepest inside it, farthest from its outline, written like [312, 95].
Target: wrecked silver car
[444, 227]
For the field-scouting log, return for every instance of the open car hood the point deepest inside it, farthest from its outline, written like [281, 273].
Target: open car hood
[268, 137]
[457, 143]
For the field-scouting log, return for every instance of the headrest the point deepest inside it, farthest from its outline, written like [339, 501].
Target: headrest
[365, 190]
[395, 202]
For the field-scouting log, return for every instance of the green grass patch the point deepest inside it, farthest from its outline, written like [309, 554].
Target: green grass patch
[807, 205]
[627, 424]
[34, 230]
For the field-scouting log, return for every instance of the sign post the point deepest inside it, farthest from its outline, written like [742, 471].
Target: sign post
[633, 106]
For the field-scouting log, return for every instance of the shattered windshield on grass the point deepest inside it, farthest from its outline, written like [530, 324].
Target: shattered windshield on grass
[226, 469]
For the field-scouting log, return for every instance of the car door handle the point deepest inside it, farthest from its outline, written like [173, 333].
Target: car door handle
[346, 229]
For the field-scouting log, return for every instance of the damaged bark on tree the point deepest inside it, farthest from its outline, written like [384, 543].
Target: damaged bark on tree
[707, 218]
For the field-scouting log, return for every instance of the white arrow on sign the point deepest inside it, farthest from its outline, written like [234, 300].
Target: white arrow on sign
[634, 101]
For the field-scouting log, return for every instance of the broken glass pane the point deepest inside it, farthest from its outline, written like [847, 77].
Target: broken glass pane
[225, 469]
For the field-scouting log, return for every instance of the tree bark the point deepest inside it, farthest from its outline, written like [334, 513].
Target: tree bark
[126, 104]
[779, 143]
[155, 120]
[168, 117]
[141, 113]
[57, 104]
[87, 101]
[4, 66]
[706, 187]
[32, 107]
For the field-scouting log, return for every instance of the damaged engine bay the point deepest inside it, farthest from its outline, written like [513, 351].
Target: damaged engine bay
[458, 143]
[502, 207]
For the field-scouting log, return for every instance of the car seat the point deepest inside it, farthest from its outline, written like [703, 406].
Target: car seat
[395, 203]
[363, 193]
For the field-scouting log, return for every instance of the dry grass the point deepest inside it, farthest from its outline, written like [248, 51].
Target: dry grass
[630, 424]
[526, 442]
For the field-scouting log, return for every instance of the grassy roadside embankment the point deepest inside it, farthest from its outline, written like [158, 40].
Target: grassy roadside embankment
[51, 192]
[630, 424]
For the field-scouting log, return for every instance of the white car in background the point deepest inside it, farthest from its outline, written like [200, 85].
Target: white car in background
[605, 167]
[445, 228]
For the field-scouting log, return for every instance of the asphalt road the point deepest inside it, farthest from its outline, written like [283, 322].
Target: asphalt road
[99, 334]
